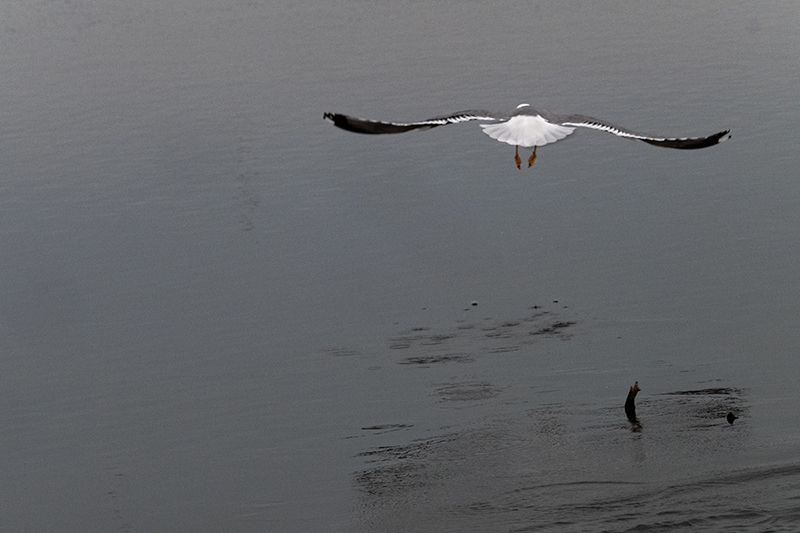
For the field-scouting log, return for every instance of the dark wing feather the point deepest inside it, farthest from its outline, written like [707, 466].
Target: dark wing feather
[681, 143]
[375, 127]
[691, 143]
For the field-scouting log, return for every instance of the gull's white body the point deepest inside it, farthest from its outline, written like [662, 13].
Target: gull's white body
[526, 130]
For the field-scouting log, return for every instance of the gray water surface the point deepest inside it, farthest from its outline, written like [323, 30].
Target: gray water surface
[220, 313]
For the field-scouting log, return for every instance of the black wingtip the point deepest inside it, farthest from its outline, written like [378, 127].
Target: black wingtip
[344, 122]
[691, 143]
[335, 118]
[348, 123]
[369, 127]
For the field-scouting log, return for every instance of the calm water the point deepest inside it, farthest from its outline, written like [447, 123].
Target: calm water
[220, 313]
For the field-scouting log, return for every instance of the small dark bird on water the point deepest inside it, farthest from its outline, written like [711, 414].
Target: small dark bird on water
[630, 407]
[731, 417]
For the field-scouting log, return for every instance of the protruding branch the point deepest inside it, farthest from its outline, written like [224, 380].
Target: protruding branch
[630, 406]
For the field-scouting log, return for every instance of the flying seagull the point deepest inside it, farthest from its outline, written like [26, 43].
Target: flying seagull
[525, 126]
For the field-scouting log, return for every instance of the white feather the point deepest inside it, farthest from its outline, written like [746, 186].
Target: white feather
[526, 130]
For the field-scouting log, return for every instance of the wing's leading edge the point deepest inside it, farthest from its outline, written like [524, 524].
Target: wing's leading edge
[376, 127]
[680, 143]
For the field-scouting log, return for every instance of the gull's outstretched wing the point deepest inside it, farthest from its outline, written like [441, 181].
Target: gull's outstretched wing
[375, 127]
[682, 143]
[524, 127]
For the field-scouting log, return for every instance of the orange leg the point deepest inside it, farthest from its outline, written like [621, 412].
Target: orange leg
[517, 160]
[532, 158]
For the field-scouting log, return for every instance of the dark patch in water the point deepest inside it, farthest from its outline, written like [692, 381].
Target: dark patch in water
[400, 468]
[535, 316]
[706, 392]
[399, 344]
[436, 359]
[488, 336]
[436, 339]
[391, 478]
[466, 391]
[341, 352]
[388, 427]
[504, 349]
[554, 329]
[703, 408]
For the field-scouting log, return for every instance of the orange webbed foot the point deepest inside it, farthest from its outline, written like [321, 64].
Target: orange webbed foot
[532, 158]
[517, 159]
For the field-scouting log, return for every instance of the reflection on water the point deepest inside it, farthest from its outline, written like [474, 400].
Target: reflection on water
[715, 403]
[482, 336]
[578, 466]
[532, 463]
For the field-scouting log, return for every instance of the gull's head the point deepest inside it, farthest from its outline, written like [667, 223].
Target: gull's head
[520, 106]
